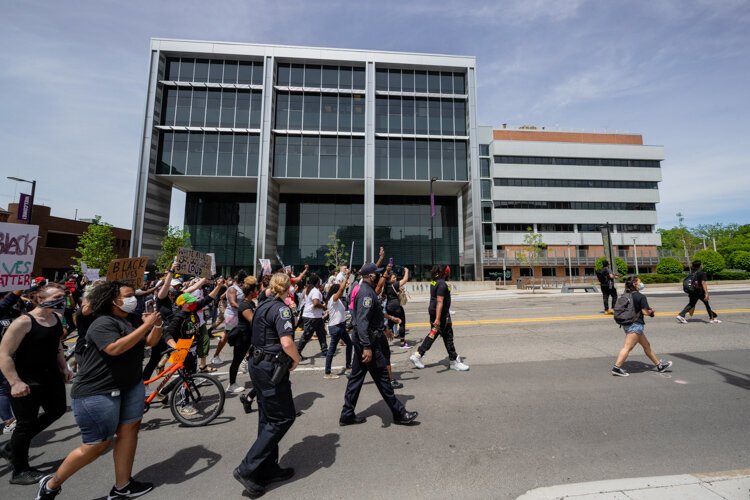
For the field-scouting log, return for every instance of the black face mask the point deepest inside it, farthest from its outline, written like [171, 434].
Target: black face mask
[53, 304]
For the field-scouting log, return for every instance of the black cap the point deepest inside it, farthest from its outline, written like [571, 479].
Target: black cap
[370, 268]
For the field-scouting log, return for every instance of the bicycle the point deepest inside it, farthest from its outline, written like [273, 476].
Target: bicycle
[197, 399]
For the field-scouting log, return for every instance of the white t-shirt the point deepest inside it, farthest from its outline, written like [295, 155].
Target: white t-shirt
[310, 311]
[336, 312]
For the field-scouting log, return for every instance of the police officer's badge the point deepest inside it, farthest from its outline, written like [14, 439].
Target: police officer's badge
[285, 313]
[367, 302]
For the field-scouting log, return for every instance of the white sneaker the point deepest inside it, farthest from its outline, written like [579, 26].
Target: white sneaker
[243, 366]
[236, 388]
[680, 319]
[715, 321]
[188, 410]
[457, 365]
[416, 359]
[216, 360]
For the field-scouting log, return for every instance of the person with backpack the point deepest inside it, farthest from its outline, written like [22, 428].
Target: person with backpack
[606, 278]
[696, 286]
[629, 311]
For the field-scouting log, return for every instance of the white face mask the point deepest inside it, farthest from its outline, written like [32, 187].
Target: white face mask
[128, 304]
[641, 286]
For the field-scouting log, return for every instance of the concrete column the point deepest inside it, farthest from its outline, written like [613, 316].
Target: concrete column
[265, 182]
[369, 243]
[473, 245]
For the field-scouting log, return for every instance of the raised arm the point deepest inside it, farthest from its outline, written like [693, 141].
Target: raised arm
[164, 291]
[342, 287]
[405, 279]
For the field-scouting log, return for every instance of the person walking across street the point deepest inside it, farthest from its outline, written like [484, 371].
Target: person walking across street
[635, 331]
[369, 355]
[607, 278]
[273, 357]
[312, 315]
[440, 319]
[337, 326]
[32, 361]
[698, 290]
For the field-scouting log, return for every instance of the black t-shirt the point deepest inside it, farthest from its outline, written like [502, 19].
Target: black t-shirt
[244, 327]
[640, 302]
[700, 278]
[391, 291]
[604, 279]
[439, 288]
[83, 322]
[101, 373]
[36, 355]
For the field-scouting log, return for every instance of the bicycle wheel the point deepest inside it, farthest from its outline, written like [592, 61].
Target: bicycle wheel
[197, 400]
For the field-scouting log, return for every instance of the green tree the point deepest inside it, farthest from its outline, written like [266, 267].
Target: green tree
[669, 265]
[532, 251]
[622, 266]
[712, 261]
[174, 239]
[741, 260]
[721, 234]
[96, 247]
[336, 254]
[740, 240]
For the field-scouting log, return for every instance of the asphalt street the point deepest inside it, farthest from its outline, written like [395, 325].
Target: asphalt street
[538, 408]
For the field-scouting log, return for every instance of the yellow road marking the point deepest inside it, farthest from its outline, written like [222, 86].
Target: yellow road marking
[552, 319]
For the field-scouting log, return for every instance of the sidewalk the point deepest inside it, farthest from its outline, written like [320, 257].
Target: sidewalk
[727, 485]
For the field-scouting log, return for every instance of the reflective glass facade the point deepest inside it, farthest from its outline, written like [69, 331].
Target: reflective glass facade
[306, 221]
[421, 159]
[402, 226]
[206, 153]
[223, 224]
[319, 157]
[211, 107]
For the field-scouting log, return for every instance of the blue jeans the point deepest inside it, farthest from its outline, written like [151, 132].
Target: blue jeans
[338, 332]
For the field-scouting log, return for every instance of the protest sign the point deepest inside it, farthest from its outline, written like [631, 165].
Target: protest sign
[265, 264]
[128, 271]
[91, 274]
[17, 251]
[213, 263]
[193, 263]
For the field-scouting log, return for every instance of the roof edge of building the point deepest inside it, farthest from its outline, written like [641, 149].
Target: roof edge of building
[574, 137]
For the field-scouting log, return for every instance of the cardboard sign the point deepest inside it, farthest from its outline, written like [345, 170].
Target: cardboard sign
[129, 271]
[193, 263]
[265, 264]
[17, 252]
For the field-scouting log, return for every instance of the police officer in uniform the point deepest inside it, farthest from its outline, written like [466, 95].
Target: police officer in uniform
[273, 341]
[370, 347]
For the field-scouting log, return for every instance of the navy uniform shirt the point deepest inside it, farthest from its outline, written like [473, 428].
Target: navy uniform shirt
[271, 321]
[368, 314]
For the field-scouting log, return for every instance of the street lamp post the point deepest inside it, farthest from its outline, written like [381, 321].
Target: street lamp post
[432, 221]
[33, 191]
[570, 265]
[635, 255]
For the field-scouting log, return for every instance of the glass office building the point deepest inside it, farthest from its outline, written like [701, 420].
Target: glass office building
[279, 149]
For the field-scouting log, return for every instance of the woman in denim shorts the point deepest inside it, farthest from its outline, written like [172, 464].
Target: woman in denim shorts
[635, 332]
[108, 392]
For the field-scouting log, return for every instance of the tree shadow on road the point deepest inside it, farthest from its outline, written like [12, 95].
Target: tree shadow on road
[732, 377]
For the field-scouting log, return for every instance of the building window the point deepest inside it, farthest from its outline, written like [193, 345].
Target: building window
[548, 271]
[484, 167]
[484, 150]
[214, 71]
[576, 271]
[420, 159]
[314, 76]
[514, 228]
[318, 157]
[575, 205]
[199, 107]
[487, 211]
[410, 115]
[61, 240]
[588, 162]
[486, 189]
[555, 228]
[635, 228]
[208, 154]
[575, 183]
[589, 228]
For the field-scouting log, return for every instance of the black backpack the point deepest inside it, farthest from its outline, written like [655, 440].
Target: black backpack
[625, 313]
[690, 284]
[603, 277]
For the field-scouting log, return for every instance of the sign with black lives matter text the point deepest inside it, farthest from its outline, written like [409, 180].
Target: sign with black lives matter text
[128, 271]
[17, 251]
[193, 263]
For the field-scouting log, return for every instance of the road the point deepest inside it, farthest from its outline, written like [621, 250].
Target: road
[538, 408]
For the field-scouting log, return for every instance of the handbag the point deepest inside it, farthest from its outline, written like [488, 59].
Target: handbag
[403, 295]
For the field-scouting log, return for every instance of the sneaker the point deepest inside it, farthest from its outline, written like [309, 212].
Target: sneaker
[663, 365]
[459, 366]
[236, 388]
[619, 372]
[216, 360]
[609, 311]
[330, 376]
[406, 345]
[27, 477]
[133, 489]
[396, 384]
[188, 410]
[43, 493]
[243, 366]
[9, 427]
[715, 321]
[680, 319]
[416, 359]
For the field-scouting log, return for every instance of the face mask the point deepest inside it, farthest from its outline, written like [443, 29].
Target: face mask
[447, 271]
[128, 304]
[53, 304]
[641, 286]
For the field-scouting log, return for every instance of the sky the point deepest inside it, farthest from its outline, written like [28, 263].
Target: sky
[73, 81]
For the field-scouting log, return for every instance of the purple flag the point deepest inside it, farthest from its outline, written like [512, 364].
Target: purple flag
[432, 204]
[24, 207]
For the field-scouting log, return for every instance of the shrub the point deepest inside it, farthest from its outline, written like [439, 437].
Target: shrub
[622, 266]
[661, 278]
[740, 260]
[669, 265]
[712, 261]
[732, 275]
